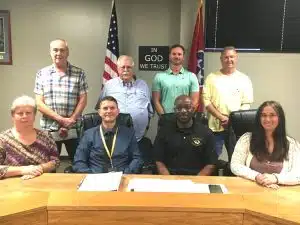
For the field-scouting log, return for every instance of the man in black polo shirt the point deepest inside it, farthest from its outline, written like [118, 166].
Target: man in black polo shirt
[185, 146]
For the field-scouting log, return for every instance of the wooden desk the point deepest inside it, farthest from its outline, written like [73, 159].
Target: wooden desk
[53, 199]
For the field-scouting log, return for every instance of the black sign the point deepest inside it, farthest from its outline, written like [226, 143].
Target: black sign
[153, 58]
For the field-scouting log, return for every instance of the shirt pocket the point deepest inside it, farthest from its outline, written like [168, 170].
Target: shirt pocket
[141, 99]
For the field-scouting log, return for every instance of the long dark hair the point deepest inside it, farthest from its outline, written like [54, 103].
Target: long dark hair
[258, 146]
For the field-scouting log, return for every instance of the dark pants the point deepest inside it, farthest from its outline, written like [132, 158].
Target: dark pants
[71, 146]
[145, 147]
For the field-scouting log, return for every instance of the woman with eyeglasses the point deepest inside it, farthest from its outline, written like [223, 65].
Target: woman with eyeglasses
[267, 155]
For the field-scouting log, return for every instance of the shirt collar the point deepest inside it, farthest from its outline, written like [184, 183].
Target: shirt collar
[68, 72]
[109, 130]
[169, 71]
[186, 130]
[126, 84]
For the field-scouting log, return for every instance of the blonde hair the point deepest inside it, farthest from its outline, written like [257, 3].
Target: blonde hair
[23, 100]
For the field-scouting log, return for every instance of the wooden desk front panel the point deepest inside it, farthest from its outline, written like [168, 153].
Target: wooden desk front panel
[142, 218]
[32, 217]
[263, 220]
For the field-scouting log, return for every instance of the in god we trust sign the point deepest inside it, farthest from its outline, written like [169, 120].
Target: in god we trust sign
[153, 58]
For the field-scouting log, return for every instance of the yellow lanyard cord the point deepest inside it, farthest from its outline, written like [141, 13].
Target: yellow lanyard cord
[109, 153]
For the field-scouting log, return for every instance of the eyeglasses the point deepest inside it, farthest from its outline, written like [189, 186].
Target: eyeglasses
[126, 67]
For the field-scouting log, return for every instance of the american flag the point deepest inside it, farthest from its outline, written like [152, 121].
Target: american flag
[196, 60]
[112, 47]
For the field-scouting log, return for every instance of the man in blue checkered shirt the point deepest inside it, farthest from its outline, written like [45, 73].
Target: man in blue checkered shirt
[61, 96]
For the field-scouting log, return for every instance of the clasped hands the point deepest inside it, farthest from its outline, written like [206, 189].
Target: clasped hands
[66, 124]
[224, 120]
[29, 172]
[267, 180]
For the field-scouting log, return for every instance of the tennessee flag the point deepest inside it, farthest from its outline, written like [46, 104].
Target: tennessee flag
[196, 59]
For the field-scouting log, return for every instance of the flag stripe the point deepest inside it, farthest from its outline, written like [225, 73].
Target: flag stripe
[112, 48]
[110, 71]
[111, 64]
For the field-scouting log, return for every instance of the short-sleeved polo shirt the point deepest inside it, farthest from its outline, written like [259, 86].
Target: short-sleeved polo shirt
[185, 151]
[172, 85]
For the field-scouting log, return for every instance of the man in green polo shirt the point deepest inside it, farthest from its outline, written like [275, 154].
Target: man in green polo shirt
[175, 81]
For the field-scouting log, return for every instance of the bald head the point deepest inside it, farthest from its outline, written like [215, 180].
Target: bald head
[184, 110]
[182, 98]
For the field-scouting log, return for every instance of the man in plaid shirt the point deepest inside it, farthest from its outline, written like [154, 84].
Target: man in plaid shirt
[61, 96]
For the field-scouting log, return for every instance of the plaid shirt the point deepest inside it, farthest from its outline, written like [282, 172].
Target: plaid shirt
[60, 92]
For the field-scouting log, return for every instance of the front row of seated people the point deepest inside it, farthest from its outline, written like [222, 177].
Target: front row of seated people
[267, 155]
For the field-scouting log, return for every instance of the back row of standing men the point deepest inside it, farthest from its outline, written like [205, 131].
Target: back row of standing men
[61, 93]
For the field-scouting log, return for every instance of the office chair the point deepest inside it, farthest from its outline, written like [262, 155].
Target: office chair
[90, 120]
[240, 122]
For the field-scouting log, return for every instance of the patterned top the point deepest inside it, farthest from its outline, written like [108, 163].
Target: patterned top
[242, 157]
[60, 92]
[15, 153]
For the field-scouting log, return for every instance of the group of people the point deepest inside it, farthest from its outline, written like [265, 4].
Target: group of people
[184, 146]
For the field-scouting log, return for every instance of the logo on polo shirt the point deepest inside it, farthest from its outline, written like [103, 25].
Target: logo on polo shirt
[196, 141]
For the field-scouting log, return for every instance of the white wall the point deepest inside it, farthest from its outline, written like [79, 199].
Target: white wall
[84, 23]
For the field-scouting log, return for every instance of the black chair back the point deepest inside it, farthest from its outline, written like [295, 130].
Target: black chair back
[240, 122]
[168, 118]
[90, 120]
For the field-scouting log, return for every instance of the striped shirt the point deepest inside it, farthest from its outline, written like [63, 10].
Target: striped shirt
[60, 91]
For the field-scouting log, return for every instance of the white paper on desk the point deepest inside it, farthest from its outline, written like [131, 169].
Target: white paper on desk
[161, 185]
[101, 182]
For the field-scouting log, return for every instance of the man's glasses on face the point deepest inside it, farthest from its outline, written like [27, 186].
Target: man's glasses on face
[126, 68]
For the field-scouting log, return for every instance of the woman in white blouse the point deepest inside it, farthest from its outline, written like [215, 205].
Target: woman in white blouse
[267, 155]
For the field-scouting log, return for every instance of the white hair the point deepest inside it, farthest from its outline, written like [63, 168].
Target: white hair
[23, 100]
[60, 39]
[121, 57]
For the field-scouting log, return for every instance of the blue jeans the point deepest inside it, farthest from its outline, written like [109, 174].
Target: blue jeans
[221, 138]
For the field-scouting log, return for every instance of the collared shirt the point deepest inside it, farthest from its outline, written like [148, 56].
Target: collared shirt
[91, 156]
[109, 136]
[185, 150]
[60, 92]
[134, 100]
[226, 93]
[172, 85]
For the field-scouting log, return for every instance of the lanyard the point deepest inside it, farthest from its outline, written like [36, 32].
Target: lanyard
[109, 153]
